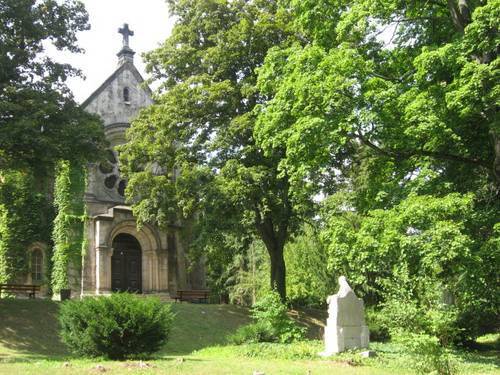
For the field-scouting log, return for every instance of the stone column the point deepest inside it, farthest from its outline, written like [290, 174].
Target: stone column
[103, 269]
[147, 271]
[156, 268]
[163, 271]
[89, 261]
[172, 264]
[103, 256]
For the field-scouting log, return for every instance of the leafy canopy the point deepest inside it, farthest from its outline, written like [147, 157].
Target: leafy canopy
[415, 84]
[40, 122]
[192, 155]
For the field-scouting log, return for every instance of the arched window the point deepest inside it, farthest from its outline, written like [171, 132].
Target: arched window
[126, 95]
[36, 265]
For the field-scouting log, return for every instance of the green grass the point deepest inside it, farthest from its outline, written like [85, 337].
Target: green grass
[29, 344]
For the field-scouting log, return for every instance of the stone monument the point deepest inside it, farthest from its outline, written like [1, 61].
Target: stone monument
[345, 326]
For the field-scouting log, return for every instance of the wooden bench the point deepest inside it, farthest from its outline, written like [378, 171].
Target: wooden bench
[30, 290]
[192, 296]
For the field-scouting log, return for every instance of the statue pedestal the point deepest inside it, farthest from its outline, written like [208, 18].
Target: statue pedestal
[345, 327]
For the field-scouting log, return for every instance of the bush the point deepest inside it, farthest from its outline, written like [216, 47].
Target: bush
[379, 331]
[438, 319]
[429, 357]
[117, 327]
[272, 324]
[253, 333]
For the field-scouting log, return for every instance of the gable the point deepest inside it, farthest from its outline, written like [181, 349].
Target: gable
[108, 100]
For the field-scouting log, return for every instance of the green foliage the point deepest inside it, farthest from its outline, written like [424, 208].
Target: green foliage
[377, 325]
[24, 213]
[298, 350]
[423, 232]
[40, 121]
[272, 324]
[213, 175]
[304, 253]
[429, 357]
[252, 333]
[390, 109]
[41, 124]
[118, 327]
[69, 223]
[245, 278]
[422, 101]
[421, 260]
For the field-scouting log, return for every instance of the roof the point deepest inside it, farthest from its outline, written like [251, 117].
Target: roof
[111, 78]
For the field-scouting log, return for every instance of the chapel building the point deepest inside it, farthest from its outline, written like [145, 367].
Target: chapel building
[121, 257]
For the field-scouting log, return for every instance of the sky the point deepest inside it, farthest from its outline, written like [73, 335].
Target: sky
[148, 19]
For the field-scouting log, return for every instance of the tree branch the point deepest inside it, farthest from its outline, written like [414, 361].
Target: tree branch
[405, 154]
[460, 13]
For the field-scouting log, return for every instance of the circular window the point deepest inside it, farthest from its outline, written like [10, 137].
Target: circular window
[106, 167]
[111, 171]
[110, 181]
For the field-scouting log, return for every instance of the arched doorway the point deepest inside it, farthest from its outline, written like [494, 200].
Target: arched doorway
[126, 265]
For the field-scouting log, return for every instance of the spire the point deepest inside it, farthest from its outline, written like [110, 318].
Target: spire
[126, 54]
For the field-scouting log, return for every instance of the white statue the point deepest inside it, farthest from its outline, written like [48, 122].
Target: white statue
[345, 326]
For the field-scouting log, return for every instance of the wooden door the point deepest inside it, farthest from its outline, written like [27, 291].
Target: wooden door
[126, 265]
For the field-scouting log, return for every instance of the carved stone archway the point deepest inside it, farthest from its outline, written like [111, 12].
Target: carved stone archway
[119, 220]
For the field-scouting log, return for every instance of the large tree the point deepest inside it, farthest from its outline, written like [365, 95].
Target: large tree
[414, 83]
[192, 155]
[40, 122]
[391, 109]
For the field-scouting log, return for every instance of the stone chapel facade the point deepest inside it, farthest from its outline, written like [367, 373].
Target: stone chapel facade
[121, 257]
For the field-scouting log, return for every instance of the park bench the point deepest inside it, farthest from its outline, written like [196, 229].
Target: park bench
[30, 290]
[192, 296]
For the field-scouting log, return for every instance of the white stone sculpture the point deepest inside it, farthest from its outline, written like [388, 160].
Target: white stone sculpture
[345, 326]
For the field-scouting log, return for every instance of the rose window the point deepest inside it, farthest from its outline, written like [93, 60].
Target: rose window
[109, 168]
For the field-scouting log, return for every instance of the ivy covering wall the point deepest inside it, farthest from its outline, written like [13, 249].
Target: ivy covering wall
[68, 231]
[25, 217]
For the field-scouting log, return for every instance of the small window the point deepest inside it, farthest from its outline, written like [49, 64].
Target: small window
[36, 265]
[126, 95]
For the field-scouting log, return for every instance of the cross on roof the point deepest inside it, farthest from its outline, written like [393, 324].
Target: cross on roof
[126, 32]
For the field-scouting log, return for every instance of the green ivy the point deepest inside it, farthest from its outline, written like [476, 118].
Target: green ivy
[68, 231]
[25, 217]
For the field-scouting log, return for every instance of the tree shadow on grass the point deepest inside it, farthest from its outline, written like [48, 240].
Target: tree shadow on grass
[490, 358]
[312, 319]
[29, 330]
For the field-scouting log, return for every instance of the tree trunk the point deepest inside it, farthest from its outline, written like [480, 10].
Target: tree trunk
[278, 271]
[274, 239]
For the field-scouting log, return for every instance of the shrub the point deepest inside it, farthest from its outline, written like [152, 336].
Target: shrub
[120, 326]
[429, 357]
[253, 333]
[272, 323]
[377, 325]
[436, 319]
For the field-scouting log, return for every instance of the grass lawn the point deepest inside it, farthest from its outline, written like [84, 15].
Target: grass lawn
[29, 344]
